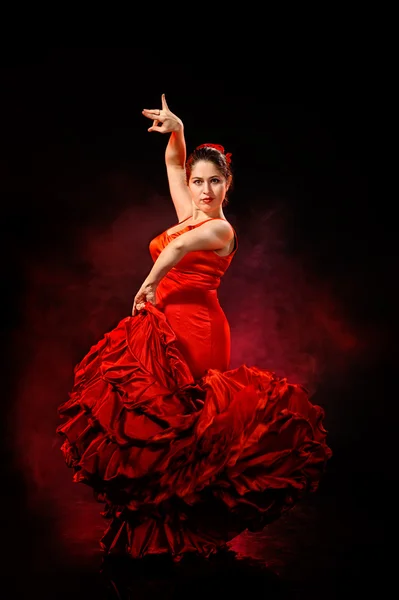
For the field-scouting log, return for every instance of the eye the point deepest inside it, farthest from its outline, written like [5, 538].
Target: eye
[215, 180]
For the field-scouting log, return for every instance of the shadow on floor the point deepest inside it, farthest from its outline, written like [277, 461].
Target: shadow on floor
[154, 578]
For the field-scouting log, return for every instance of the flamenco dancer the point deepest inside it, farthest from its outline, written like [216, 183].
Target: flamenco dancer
[184, 452]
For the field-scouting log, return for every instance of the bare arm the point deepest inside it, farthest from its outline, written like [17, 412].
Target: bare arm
[213, 235]
[175, 159]
[175, 156]
[210, 236]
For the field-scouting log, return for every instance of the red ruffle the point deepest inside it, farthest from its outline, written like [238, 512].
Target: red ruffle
[184, 465]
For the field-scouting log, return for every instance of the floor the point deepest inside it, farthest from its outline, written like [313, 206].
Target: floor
[330, 545]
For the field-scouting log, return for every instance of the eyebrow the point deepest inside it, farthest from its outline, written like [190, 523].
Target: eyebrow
[210, 177]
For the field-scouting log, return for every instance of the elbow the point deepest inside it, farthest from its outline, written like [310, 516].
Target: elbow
[178, 247]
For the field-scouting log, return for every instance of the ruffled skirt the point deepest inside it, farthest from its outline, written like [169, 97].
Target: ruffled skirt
[184, 465]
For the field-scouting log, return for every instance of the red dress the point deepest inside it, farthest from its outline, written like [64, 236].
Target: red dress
[185, 453]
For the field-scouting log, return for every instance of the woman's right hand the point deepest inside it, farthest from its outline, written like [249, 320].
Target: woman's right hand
[164, 121]
[147, 293]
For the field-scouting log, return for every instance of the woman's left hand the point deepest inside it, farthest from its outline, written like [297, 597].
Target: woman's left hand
[145, 294]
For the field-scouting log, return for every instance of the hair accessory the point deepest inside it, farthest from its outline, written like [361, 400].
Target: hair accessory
[217, 147]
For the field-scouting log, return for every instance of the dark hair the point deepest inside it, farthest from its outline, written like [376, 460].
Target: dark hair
[215, 154]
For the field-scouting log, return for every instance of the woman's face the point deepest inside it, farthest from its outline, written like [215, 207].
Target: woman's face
[208, 186]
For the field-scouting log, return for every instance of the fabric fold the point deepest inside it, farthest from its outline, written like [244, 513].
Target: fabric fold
[184, 465]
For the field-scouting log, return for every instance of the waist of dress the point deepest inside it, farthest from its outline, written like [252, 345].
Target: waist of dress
[171, 293]
[192, 281]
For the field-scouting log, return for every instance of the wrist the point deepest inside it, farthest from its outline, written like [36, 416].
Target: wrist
[179, 126]
[149, 283]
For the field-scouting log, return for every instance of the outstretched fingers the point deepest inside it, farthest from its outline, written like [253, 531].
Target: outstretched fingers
[151, 113]
[164, 105]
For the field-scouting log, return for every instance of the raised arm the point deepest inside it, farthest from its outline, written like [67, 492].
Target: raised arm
[164, 121]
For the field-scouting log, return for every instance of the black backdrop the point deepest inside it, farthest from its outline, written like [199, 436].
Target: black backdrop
[76, 155]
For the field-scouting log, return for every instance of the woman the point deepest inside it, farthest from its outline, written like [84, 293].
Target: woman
[185, 453]
[198, 190]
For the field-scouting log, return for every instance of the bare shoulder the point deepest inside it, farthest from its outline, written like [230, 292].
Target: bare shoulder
[222, 226]
[219, 229]
[211, 234]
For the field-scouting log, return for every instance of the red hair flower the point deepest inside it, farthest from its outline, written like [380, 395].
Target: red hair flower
[217, 147]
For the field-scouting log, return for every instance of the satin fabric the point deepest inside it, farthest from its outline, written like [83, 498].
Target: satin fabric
[184, 452]
[188, 297]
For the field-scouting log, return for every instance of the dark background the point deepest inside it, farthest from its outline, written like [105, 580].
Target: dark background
[76, 155]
